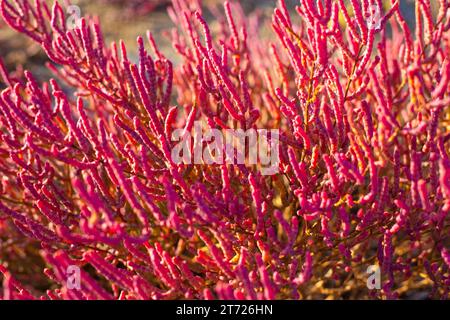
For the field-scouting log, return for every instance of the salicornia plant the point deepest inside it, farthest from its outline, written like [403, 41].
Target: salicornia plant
[360, 99]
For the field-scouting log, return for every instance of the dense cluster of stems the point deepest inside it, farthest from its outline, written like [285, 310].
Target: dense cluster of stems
[362, 106]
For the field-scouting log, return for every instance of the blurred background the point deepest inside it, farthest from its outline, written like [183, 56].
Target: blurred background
[126, 19]
[120, 19]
